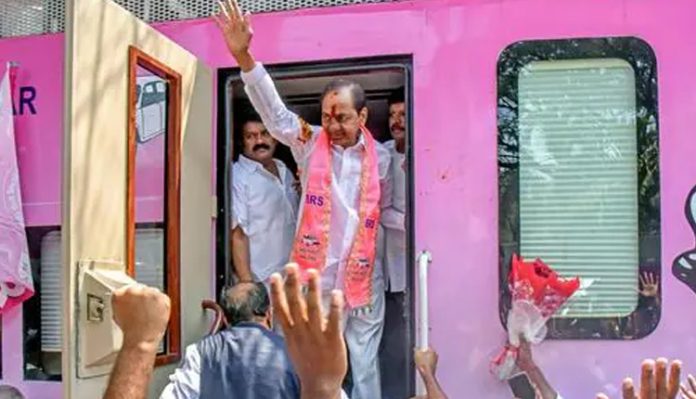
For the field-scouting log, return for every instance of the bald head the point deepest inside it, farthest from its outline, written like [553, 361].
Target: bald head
[343, 112]
[349, 87]
[9, 392]
[246, 302]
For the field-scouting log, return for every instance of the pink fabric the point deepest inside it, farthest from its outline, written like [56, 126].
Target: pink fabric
[312, 240]
[16, 283]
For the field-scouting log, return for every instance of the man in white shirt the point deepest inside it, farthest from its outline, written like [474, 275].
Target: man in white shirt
[264, 207]
[343, 118]
[395, 257]
[393, 218]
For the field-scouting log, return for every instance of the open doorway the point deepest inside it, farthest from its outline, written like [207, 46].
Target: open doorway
[300, 86]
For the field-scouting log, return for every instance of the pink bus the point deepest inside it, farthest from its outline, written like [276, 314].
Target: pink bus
[550, 129]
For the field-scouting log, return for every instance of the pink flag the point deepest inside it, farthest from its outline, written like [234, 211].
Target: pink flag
[16, 284]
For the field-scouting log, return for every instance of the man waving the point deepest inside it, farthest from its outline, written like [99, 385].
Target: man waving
[345, 182]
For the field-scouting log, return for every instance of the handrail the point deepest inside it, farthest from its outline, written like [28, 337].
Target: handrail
[220, 320]
[424, 260]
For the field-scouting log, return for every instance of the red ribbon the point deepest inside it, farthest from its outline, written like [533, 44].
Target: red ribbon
[508, 351]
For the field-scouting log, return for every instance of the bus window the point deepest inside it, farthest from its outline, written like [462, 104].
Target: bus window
[151, 107]
[42, 312]
[578, 177]
[384, 85]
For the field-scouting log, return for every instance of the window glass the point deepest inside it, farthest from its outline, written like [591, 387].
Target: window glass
[577, 153]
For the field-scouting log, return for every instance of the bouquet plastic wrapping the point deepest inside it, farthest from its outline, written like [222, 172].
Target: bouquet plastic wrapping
[537, 293]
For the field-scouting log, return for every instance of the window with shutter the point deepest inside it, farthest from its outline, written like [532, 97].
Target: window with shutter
[577, 152]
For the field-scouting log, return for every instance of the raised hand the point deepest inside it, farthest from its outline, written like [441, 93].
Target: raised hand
[689, 392]
[655, 381]
[142, 313]
[525, 359]
[237, 32]
[315, 345]
[648, 284]
[426, 361]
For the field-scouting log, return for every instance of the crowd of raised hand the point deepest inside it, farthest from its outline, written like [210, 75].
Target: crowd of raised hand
[315, 345]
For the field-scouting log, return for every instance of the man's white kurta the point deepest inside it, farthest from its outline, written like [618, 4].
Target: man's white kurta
[265, 208]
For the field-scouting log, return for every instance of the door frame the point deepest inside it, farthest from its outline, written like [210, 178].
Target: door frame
[228, 76]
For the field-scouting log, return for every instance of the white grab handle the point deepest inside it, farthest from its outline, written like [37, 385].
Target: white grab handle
[424, 259]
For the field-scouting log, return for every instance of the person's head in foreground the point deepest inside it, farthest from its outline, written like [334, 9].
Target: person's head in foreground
[10, 392]
[246, 302]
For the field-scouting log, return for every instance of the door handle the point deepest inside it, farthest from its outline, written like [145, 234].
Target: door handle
[99, 338]
[424, 260]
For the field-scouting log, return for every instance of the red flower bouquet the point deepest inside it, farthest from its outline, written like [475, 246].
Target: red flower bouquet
[537, 293]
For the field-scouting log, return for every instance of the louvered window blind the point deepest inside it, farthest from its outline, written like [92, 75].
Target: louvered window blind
[578, 204]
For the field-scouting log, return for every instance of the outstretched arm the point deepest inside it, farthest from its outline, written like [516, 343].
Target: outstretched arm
[526, 363]
[426, 363]
[142, 332]
[284, 125]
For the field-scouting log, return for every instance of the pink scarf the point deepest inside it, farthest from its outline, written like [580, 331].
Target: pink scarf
[16, 284]
[312, 239]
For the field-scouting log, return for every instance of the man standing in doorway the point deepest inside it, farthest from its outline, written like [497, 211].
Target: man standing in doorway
[393, 218]
[345, 182]
[393, 221]
[264, 207]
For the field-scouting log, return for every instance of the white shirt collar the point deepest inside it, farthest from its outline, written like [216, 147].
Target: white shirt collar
[248, 163]
[252, 166]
